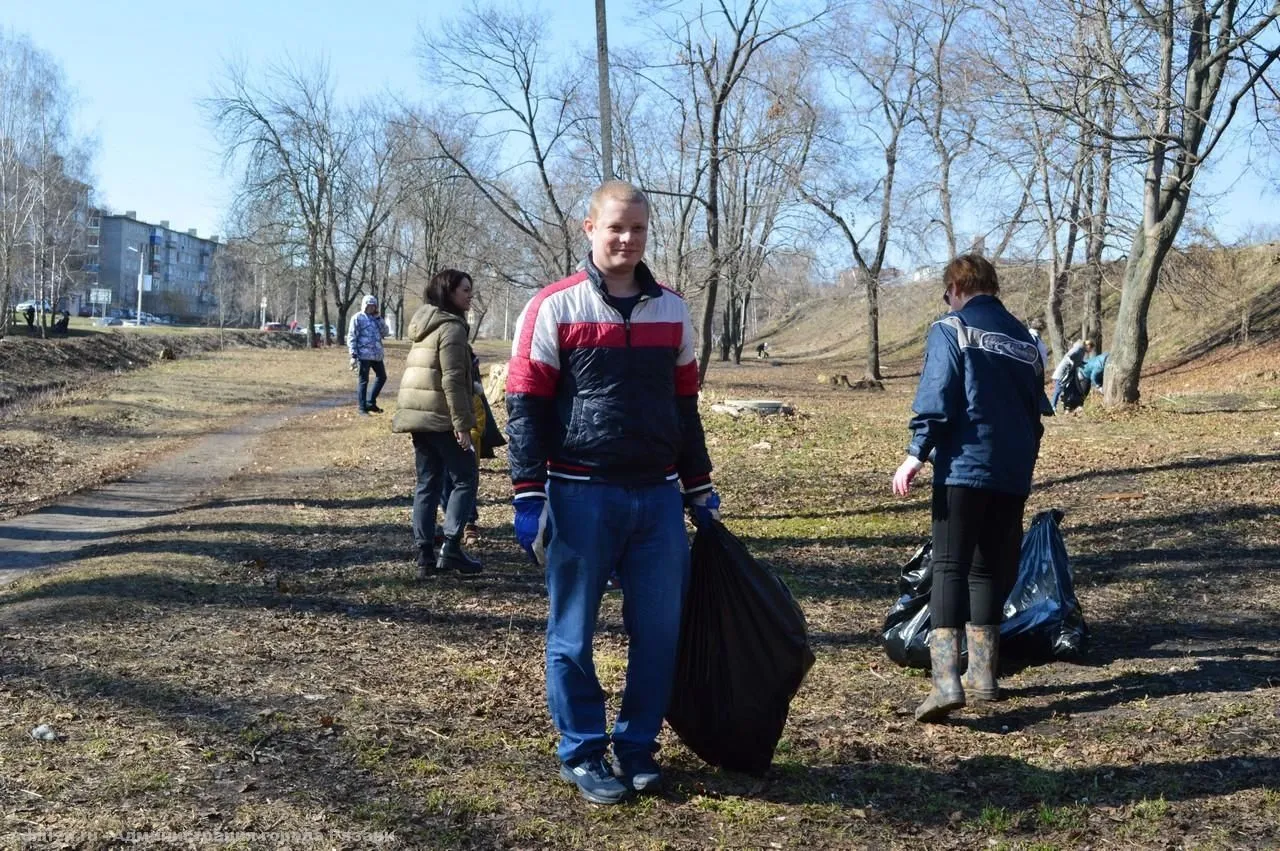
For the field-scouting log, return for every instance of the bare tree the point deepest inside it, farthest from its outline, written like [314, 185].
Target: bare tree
[766, 139]
[364, 203]
[1181, 70]
[493, 60]
[44, 189]
[284, 134]
[876, 73]
[716, 47]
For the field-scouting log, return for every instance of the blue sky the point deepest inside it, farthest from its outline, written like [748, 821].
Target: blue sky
[139, 69]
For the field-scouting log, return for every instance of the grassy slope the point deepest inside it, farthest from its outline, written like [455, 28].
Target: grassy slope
[1197, 311]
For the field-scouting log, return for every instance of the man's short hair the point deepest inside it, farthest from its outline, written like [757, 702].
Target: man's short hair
[970, 274]
[615, 190]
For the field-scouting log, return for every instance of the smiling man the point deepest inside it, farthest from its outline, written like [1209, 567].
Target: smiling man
[606, 447]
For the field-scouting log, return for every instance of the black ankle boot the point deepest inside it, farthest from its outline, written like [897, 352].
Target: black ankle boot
[426, 562]
[453, 558]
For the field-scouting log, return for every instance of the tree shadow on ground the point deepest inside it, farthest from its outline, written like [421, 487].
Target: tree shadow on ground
[1185, 464]
[919, 795]
[319, 769]
[151, 590]
[1210, 676]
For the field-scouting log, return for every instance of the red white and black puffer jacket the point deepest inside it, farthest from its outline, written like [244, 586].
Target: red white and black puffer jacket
[593, 397]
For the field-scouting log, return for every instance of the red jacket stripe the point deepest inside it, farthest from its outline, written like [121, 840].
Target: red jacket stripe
[612, 335]
[531, 312]
[687, 379]
[533, 377]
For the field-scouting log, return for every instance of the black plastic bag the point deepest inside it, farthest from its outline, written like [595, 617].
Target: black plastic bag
[1042, 617]
[1072, 392]
[744, 650]
[906, 627]
[492, 438]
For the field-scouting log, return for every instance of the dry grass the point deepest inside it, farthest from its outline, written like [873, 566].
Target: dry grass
[58, 441]
[262, 664]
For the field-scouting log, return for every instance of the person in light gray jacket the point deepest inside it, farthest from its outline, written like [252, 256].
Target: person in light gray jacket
[364, 343]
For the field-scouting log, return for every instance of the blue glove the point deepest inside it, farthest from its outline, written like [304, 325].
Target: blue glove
[530, 522]
[705, 507]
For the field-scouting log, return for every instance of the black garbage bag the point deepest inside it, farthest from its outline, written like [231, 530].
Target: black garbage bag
[1042, 617]
[744, 650]
[906, 627]
[1072, 392]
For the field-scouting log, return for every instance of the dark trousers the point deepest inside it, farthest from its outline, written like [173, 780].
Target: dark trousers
[362, 383]
[448, 489]
[436, 454]
[977, 541]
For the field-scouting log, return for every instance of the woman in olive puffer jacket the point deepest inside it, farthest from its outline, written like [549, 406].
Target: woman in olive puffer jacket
[435, 408]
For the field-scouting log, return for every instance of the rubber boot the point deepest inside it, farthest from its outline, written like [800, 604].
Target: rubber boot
[984, 661]
[426, 562]
[453, 558]
[944, 658]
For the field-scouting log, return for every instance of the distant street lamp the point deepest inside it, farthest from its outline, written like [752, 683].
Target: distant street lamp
[142, 259]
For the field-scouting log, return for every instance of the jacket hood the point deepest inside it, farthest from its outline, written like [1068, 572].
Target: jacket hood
[427, 319]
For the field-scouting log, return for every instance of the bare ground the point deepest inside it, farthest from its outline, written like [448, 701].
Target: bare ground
[260, 664]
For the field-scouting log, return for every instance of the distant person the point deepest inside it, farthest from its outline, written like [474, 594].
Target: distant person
[30, 314]
[1066, 382]
[364, 342]
[63, 323]
[436, 408]
[1035, 330]
[978, 409]
[762, 351]
[1094, 369]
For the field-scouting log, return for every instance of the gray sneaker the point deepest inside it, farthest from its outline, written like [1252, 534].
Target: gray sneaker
[640, 772]
[594, 780]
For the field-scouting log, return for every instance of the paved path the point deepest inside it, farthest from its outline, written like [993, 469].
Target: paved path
[53, 535]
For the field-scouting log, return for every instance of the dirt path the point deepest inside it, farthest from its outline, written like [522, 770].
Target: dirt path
[54, 534]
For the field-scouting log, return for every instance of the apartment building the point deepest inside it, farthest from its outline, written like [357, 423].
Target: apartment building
[176, 264]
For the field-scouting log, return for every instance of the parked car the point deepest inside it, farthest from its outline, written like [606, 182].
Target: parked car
[104, 321]
[275, 326]
[34, 304]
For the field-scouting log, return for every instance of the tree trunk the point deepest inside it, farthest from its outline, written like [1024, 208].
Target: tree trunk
[1141, 273]
[1053, 309]
[713, 244]
[872, 371]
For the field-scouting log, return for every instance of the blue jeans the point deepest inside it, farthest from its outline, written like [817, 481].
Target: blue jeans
[597, 529]
[362, 383]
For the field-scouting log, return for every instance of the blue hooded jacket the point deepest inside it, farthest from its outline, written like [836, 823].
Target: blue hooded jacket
[980, 400]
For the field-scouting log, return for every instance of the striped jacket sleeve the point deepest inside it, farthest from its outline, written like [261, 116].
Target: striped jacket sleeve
[532, 379]
[693, 464]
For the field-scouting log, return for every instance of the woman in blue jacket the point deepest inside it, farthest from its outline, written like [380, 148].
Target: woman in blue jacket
[977, 410]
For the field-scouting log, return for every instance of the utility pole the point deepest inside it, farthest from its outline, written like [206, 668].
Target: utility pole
[606, 102]
[142, 258]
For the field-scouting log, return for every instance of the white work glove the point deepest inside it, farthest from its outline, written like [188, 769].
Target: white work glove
[355, 364]
[906, 473]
